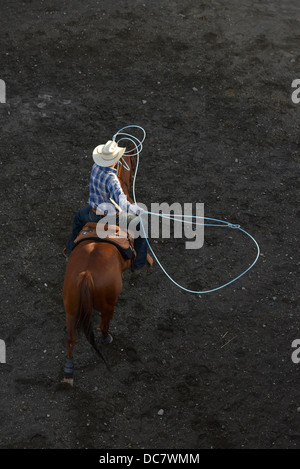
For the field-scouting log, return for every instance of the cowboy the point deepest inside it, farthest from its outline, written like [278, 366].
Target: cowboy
[104, 188]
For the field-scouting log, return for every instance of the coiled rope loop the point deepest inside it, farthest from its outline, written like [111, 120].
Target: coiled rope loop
[138, 144]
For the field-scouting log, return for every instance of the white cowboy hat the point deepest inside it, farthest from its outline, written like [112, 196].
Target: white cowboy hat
[108, 154]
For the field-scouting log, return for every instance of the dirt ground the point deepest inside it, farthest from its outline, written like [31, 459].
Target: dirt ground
[210, 82]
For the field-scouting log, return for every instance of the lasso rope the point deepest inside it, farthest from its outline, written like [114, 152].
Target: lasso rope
[138, 144]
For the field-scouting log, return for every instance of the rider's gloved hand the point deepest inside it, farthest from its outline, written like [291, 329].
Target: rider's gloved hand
[134, 208]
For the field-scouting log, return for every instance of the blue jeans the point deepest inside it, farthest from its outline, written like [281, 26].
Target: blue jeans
[87, 215]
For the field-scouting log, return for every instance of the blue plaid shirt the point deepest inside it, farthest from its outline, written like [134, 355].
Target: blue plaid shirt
[104, 184]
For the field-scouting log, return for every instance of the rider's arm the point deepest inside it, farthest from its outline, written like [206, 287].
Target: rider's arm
[117, 195]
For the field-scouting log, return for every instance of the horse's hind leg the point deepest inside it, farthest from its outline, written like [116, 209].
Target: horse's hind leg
[71, 339]
[106, 317]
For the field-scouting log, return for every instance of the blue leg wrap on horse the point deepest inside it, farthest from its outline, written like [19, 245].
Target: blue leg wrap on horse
[69, 368]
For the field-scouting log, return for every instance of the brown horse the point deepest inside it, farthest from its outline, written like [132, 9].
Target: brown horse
[93, 280]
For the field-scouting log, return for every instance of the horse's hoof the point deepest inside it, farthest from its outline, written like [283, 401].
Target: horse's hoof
[108, 339]
[69, 381]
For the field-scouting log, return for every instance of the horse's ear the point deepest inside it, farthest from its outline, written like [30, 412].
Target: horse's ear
[131, 150]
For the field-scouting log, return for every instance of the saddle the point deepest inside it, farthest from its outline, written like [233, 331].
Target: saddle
[113, 235]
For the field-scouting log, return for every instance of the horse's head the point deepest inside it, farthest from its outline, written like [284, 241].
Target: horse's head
[126, 169]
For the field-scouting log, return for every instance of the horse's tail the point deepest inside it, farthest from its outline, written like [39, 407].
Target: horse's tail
[86, 308]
